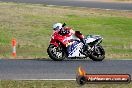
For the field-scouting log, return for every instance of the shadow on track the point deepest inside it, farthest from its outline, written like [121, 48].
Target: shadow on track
[67, 60]
[50, 60]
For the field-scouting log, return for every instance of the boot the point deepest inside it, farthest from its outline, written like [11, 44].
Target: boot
[85, 47]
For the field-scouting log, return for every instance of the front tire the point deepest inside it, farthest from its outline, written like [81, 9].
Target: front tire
[56, 53]
[98, 54]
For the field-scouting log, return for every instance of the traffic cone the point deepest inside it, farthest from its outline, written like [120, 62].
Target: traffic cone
[14, 47]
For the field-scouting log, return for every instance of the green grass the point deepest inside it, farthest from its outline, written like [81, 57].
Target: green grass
[31, 25]
[123, 0]
[57, 84]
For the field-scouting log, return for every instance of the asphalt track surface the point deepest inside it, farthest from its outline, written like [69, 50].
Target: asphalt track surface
[79, 3]
[48, 69]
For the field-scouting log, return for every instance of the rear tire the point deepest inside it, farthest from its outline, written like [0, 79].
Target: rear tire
[95, 56]
[56, 54]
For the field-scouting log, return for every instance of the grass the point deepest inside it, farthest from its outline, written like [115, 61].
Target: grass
[57, 84]
[31, 25]
[123, 0]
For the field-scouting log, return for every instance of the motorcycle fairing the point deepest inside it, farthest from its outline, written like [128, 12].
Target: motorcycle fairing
[74, 49]
[92, 38]
[63, 39]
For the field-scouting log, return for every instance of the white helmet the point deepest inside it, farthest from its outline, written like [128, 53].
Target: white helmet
[57, 26]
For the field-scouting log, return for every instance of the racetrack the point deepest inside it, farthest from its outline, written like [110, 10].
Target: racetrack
[79, 3]
[48, 69]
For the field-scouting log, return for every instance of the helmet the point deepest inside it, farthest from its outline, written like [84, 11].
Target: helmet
[57, 26]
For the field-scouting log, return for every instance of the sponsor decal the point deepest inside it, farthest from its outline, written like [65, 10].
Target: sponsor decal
[73, 48]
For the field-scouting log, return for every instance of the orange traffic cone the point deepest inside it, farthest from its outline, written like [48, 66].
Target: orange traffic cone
[14, 47]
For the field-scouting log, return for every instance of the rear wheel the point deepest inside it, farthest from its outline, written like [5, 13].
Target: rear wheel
[56, 53]
[98, 54]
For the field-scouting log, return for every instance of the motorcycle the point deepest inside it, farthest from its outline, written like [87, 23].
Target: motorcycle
[67, 45]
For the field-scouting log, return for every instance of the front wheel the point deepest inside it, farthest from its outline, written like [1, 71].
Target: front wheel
[56, 53]
[98, 54]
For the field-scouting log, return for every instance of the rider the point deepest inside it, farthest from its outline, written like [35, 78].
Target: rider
[66, 30]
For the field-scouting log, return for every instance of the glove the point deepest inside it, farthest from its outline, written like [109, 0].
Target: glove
[63, 32]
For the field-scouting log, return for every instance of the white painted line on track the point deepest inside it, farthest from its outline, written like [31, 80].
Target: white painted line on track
[49, 79]
[125, 59]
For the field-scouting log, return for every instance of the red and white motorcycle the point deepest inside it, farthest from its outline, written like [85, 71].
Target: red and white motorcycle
[69, 46]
